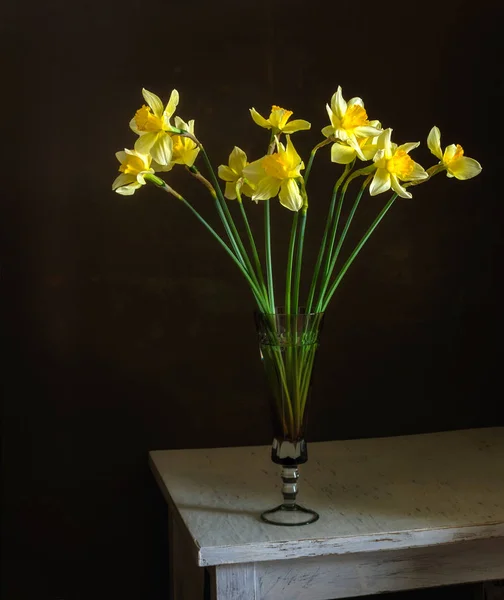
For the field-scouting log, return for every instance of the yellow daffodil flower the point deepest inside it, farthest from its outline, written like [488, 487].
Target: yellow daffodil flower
[185, 150]
[393, 165]
[152, 124]
[453, 159]
[349, 122]
[344, 154]
[276, 174]
[233, 173]
[277, 121]
[133, 168]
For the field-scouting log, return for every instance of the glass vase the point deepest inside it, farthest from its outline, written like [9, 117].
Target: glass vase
[288, 345]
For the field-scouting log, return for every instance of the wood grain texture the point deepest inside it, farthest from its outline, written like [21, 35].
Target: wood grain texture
[330, 577]
[234, 582]
[371, 494]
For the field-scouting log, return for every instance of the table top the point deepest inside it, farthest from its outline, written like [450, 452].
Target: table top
[371, 494]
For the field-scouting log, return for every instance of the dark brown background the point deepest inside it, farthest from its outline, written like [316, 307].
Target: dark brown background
[127, 329]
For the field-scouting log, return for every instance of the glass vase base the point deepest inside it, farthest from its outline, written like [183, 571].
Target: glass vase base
[290, 515]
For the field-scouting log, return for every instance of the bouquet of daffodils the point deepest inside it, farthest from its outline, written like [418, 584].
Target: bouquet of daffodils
[362, 145]
[289, 335]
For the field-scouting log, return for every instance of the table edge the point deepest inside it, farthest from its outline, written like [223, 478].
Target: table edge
[290, 549]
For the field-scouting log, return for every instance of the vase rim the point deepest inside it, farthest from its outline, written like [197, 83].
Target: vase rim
[280, 311]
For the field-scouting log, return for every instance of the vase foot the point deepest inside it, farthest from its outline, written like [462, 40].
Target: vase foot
[290, 515]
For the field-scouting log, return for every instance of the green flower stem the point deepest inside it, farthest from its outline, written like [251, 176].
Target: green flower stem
[267, 235]
[306, 374]
[431, 171]
[289, 350]
[252, 243]
[203, 180]
[274, 138]
[220, 211]
[255, 290]
[290, 259]
[299, 350]
[299, 262]
[218, 205]
[222, 207]
[334, 230]
[241, 248]
[312, 156]
[329, 220]
[253, 285]
[229, 223]
[269, 262]
[356, 251]
[334, 257]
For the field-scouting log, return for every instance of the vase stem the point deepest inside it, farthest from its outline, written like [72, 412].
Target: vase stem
[290, 476]
[289, 513]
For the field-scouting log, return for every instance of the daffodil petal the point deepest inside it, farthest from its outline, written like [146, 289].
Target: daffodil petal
[434, 142]
[154, 102]
[161, 168]
[226, 174]
[128, 190]
[328, 131]
[133, 126]
[123, 179]
[290, 196]
[341, 134]
[145, 142]
[398, 188]
[329, 112]
[161, 151]
[171, 107]
[354, 101]
[341, 154]
[338, 104]
[353, 143]
[409, 146]
[140, 178]
[366, 131]
[464, 168]
[417, 174]
[230, 191]
[237, 160]
[247, 190]
[384, 141]
[380, 182]
[190, 156]
[267, 187]
[292, 156]
[261, 121]
[134, 153]
[449, 153]
[369, 151]
[254, 171]
[296, 125]
[180, 123]
[121, 156]
[379, 156]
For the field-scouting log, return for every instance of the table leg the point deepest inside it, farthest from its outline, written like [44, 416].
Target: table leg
[233, 582]
[186, 578]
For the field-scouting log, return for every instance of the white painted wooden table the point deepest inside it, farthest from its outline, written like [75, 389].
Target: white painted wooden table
[395, 513]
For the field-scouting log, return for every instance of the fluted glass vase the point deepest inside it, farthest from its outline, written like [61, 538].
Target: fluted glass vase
[288, 345]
